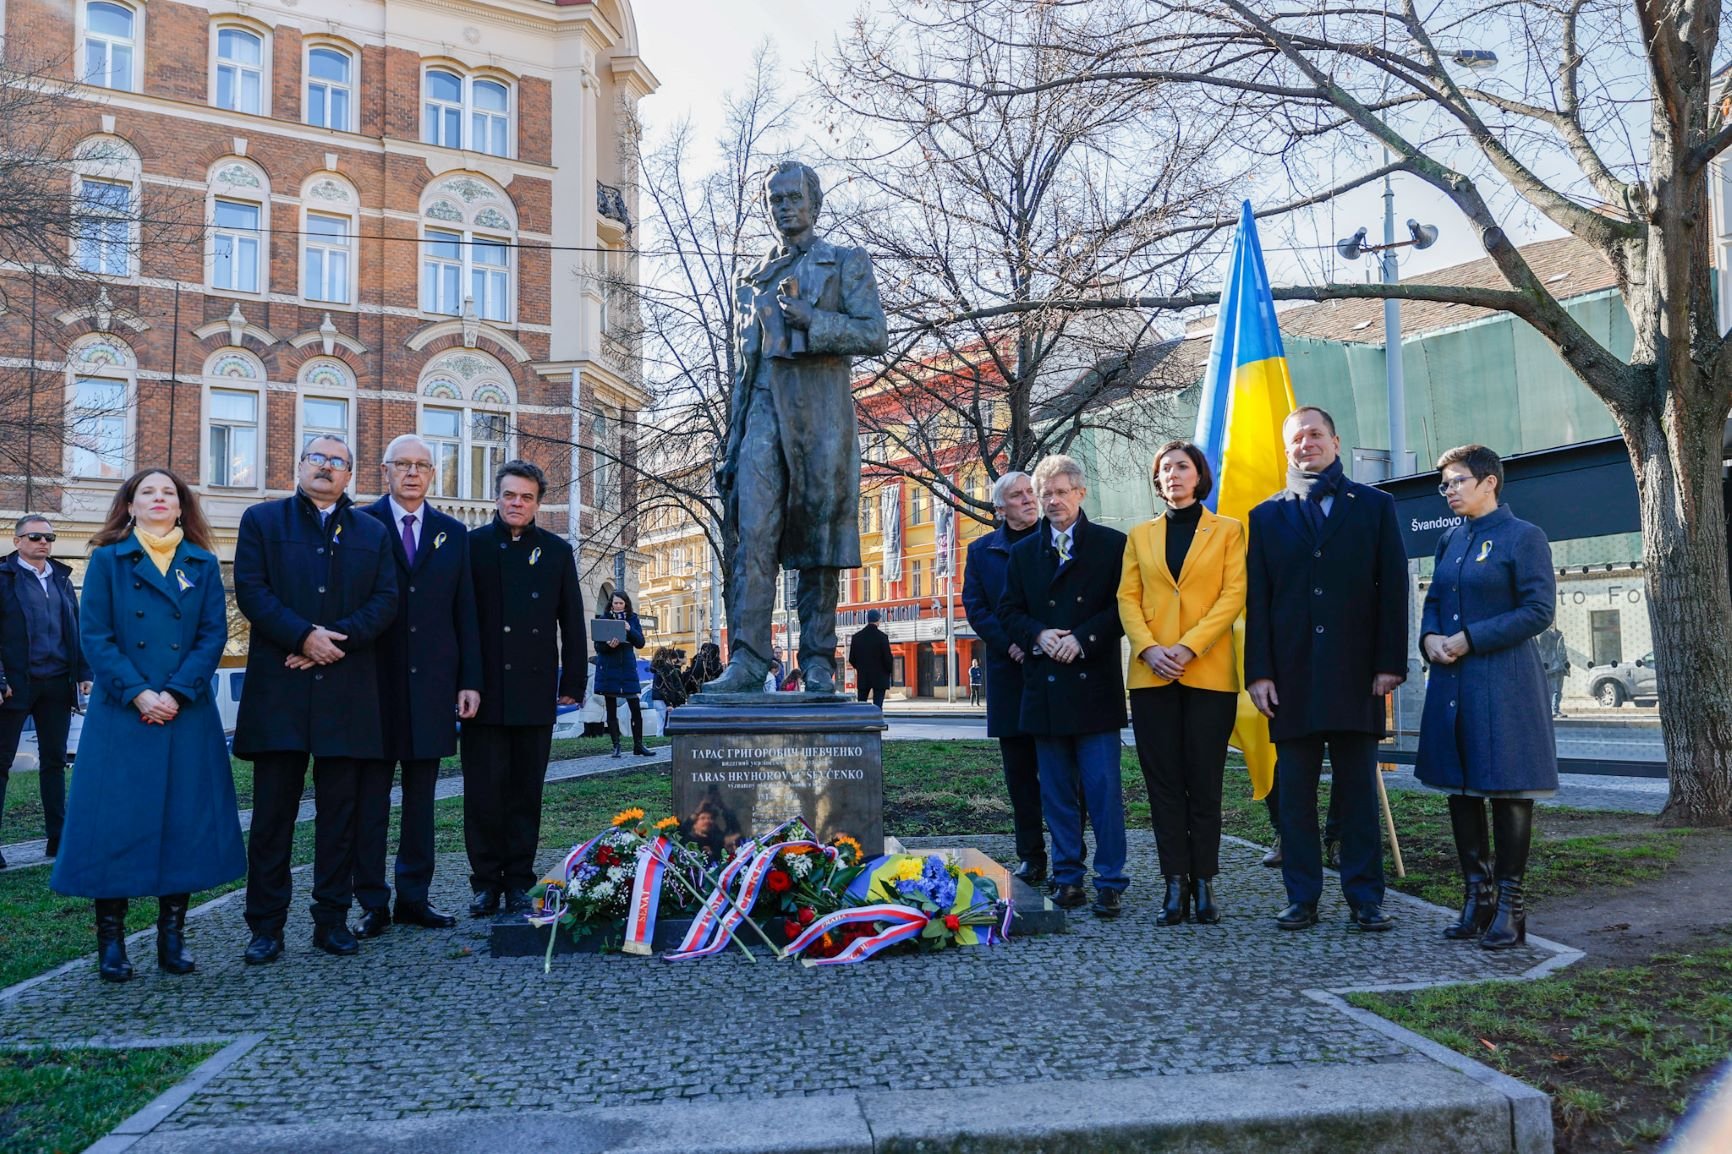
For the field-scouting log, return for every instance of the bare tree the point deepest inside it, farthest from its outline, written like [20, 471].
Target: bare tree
[1602, 118]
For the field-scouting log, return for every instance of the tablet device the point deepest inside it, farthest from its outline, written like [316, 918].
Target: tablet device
[605, 629]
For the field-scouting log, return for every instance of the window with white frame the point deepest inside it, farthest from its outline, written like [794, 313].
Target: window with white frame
[102, 226]
[489, 117]
[233, 422]
[240, 70]
[490, 278]
[442, 108]
[110, 37]
[330, 87]
[325, 258]
[460, 111]
[442, 271]
[98, 428]
[235, 246]
[323, 417]
[468, 446]
[449, 260]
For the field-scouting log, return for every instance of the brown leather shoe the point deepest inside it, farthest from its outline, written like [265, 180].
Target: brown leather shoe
[1070, 898]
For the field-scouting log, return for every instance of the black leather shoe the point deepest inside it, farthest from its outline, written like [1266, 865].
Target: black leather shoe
[1273, 858]
[1070, 898]
[373, 923]
[336, 941]
[1107, 904]
[485, 903]
[424, 914]
[1370, 918]
[1031, 872]
[517, 902]
[1298, 916]
[263, 949]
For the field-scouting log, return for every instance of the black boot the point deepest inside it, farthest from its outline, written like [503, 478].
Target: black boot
[1203, 901]
[171, 955]
[616, 745]
[111, 960]
[1175, 907]
[1512, 825]
[1473, 849]
[637, 745]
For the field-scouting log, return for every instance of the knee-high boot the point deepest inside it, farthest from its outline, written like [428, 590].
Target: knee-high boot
[171, 955]
[637, 745]
[1473, 848]
[1512, 826]
[111, 961]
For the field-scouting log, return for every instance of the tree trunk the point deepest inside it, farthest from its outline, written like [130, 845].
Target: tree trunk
[1690, 608]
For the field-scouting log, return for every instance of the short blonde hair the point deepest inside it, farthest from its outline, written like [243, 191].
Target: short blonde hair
[1054, 464]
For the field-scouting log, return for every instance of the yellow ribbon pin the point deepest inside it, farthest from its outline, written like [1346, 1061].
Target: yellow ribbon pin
[535, 555]
[1484, 550]
[439, 540]
[181, 579]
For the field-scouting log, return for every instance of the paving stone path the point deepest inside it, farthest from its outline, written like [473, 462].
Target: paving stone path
[426, 1022]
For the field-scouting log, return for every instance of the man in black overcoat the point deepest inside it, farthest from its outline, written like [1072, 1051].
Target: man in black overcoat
[1325, 645]
[534, 657]
[1061, 607]
[429, 677]
[983, 583]
[874, 664]
[314, 577]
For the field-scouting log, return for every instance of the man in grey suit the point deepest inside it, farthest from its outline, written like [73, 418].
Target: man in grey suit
[792, 450]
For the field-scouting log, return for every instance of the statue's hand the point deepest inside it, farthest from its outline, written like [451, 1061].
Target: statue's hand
[725, 477]
[796, 312]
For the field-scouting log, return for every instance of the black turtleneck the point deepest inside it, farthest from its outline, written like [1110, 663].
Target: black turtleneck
[1012, 536]
[1181, 529]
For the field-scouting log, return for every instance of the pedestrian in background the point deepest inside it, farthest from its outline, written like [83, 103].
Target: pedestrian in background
[874, 664]
[616, 672]
[153, 810]
[976, 680]
[1183, 588]
[1486, 733]
[667, 683]
[1555, 658]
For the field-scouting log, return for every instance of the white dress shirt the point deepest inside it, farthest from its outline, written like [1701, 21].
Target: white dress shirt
[43, 575]
[397, 515]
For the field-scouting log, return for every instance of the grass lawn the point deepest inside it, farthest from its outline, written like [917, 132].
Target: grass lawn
[66, 1099]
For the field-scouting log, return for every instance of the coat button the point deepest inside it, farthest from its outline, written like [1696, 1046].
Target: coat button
[1455, 617]
[1320, 629]
[1052, 602]
[412, 628]
[1079, 600]
[1319, 553]
[321, 589]
[138, 613]
[138, 584]
[536, 631]
[508, 669]
[318, 677]
[534, 595]
[1318, 591]
[413, 669]
[1050, 677]
[1082, 675]
[508, 629]
[1452, 705]
[320, 550]
[174, 645]
[141, 645]
[411, 588]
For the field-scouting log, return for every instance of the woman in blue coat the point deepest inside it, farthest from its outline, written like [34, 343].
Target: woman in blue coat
[152, 811]
[1487, 731]
[616, 673]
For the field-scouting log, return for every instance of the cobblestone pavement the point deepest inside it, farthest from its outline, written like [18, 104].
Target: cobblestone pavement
[426, 1021]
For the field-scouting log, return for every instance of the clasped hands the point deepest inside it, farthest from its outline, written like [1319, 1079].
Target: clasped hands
[1059, 645]
[156, 708]
[1441, 650]
[1167, 661]
[320, 648]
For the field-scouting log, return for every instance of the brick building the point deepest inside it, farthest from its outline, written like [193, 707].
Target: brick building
[403, 218]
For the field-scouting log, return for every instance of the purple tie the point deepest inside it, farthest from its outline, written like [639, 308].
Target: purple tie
[409, 537]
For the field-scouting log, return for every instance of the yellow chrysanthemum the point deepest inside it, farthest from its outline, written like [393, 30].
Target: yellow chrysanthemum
[627, 816]
[667, 823]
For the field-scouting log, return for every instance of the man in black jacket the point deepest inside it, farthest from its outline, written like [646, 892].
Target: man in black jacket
[314, 577]
[41, 664]
[534, 655]
[429, 674]
[869, 654]
[1325, 645]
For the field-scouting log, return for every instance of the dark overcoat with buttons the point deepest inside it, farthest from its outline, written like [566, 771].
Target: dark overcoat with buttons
[616, 666]
[292, 574]
[15, 632]
[534, 644]
[1326, 612]
[983, 581]
[1487, 726]
[153, 806]
[1082, 595]
[432, 649]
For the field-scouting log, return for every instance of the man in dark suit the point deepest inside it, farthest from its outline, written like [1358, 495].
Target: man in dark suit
[1061, 608]
[534, 655]
[429, 668]
[869, 654]
[314, 577]
[1325, 644]
[983, 584]
[41, 665]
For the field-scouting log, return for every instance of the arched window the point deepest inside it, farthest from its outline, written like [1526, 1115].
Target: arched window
[328, 214]
[466, 421]
[462, 111]
[239, 80]
[101, 372]
[327, 401]
[330, 88]
[466, 248]
[104, 206]
[110, 45]
[234, 383]
[239, 215]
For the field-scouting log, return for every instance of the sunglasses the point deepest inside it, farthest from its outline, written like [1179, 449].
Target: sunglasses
[40, 537]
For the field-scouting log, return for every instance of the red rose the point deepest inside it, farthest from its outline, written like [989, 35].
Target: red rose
[791, 928]
[606, 857]
[952, 922]
[806, 914]
[779, 882]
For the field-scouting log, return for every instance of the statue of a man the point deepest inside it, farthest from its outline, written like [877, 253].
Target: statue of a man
[790, 476]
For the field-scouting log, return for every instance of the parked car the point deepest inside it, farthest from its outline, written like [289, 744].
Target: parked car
[1620, 681]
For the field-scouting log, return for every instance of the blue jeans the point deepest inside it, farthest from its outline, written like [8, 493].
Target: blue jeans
[1085, 767]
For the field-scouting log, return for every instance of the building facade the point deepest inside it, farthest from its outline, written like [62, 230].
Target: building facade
[362, 217]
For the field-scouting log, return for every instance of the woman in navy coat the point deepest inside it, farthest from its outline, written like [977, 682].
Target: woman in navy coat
[616, 673]
[153, 808]
[1487, 730]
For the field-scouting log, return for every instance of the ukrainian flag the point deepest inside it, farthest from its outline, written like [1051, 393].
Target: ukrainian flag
[1247, 394]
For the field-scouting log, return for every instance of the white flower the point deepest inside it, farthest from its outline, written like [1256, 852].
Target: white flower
[801, 865]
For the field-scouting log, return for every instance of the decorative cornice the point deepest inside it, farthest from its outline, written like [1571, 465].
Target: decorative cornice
[235, 326]
[102, 315]
[328, 338]
[469, 330]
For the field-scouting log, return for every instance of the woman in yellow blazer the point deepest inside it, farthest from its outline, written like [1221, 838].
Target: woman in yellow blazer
[1182, 590]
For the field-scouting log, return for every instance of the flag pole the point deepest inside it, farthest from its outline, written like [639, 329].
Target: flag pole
[1389, 823]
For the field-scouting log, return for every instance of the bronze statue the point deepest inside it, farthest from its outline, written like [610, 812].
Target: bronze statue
[789, 479]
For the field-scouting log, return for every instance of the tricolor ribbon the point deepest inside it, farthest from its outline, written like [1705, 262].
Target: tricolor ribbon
[714, 928]
[905, 922]
[646, 894]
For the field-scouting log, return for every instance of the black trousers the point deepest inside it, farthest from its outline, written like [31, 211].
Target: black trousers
[278, 779]
[1182, 734]
[863, 690]
[504, 767]
[1353, 762]
[1022, 782]
[414, 839]
[631, 700]
[1272, 799]
[51, 709]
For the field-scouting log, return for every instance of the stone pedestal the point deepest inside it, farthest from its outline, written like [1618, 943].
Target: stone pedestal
[743, 763]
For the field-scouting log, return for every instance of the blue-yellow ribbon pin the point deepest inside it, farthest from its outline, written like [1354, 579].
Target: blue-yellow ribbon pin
[439, 540]
[535, 555]
[1484, 550]
[180, 578]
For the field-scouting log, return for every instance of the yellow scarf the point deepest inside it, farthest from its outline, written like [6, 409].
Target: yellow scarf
[160, 549]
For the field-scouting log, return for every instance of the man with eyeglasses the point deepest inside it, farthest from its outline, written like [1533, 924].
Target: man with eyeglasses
[429, 673]
[41, 665]
[315, 577]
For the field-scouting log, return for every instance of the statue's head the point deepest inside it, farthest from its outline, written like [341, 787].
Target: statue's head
[793, 196]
